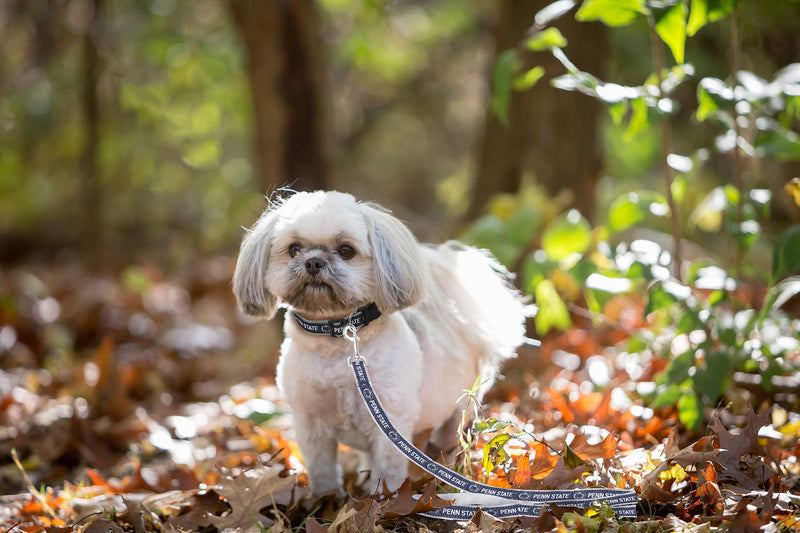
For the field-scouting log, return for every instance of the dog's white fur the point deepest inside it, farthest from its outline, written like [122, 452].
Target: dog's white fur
[448, 316]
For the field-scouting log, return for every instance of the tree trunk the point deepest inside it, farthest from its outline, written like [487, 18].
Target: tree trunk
[92, 236]
[285, 66]
[551, 134]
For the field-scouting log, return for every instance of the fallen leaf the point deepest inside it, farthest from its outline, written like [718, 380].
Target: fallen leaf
[485, 523]
[522, 474]
[571, 459]
[746, 520]
[543, 461]
[404, 504]
[247, 494]
[696, 454]
[494, 453]
[561, 474]
[604, 449]
[741, 455]
[342, 517]
[312, 526]
[102, 525]
[367, 515]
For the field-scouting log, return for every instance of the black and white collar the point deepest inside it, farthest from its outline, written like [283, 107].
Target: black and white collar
[359, 318]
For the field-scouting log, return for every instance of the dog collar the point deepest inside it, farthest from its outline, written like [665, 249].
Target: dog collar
[358, 318]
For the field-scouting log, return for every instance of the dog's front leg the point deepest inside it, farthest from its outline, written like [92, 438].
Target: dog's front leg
[318, 445]
[388, 464]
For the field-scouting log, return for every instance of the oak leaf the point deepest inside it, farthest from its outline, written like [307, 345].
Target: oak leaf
[604, 449]
[741, 455]
[543, 461]
[247, 494]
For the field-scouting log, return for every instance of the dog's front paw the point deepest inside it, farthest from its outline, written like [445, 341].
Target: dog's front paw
[389, 468]
[388, 482]
[326, 480]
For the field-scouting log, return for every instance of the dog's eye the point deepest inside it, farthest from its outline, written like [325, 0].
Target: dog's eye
[294, 249]
[346, 251]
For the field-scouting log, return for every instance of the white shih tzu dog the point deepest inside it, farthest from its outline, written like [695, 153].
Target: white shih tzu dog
[432, 319]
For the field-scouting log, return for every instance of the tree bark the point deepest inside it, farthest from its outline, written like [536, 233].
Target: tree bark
[551, 134]
[92, 235]
[286, 71]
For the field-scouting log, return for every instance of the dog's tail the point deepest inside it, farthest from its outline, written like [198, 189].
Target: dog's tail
[482, 301]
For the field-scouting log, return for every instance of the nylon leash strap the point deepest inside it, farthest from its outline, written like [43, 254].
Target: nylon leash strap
[499, 502]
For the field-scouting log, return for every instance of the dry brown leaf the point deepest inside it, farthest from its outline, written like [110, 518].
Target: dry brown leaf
[696, 454]
[483, 522]
[102, 525]
[342, 523]
[313, 526]
[404, 504]
[741, 455]
[561, 474]
[367, 515]
[247, 494]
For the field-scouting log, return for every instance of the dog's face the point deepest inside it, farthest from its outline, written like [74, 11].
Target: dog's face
[320, 259]
[325, 254]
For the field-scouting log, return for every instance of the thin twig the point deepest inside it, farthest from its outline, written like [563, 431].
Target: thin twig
[31, 488]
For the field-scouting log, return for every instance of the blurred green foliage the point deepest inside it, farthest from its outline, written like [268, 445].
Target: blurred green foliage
[410, 83]
[704, 321]
[173, 154]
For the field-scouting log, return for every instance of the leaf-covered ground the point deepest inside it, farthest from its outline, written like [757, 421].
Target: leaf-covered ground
[139, 403]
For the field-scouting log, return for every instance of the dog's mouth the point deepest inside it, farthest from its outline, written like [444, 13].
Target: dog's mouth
[317, 295]
[318, 286]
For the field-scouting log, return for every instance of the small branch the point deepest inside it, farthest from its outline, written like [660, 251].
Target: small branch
[666, 149]
[35, 493]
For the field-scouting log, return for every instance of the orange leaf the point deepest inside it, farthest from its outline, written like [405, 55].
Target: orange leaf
[561, 405]
[543, 461]
[32, 506]
[51, 522]
[523, 473]
[604, 449]
[709, 472]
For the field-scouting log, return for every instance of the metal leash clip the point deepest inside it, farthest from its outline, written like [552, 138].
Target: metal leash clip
[350, 333]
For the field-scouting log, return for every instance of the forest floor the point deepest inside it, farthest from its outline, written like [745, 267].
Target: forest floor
[142, 402]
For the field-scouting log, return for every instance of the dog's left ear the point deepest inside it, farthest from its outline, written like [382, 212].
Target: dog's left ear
[397, 261]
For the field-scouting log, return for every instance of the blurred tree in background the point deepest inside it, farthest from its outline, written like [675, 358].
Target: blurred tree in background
[540, 120]
[291, 100]
[153, 128]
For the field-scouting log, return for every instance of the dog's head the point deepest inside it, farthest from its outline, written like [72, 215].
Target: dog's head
[325, 254]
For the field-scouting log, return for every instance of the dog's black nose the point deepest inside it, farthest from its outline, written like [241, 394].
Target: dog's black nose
[314, 265]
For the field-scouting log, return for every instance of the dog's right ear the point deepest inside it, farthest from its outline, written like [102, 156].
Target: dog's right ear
[249, 278]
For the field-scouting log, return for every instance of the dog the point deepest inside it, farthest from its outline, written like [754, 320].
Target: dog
[437, 317]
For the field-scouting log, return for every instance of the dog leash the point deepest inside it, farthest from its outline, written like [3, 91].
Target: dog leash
[497, 501]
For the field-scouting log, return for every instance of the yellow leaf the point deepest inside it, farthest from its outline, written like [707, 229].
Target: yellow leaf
[494, 452]
[676, 472]
[792, 428]
[792, 188]
[652, 464]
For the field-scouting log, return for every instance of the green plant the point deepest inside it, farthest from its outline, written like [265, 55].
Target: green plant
[696, 317]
